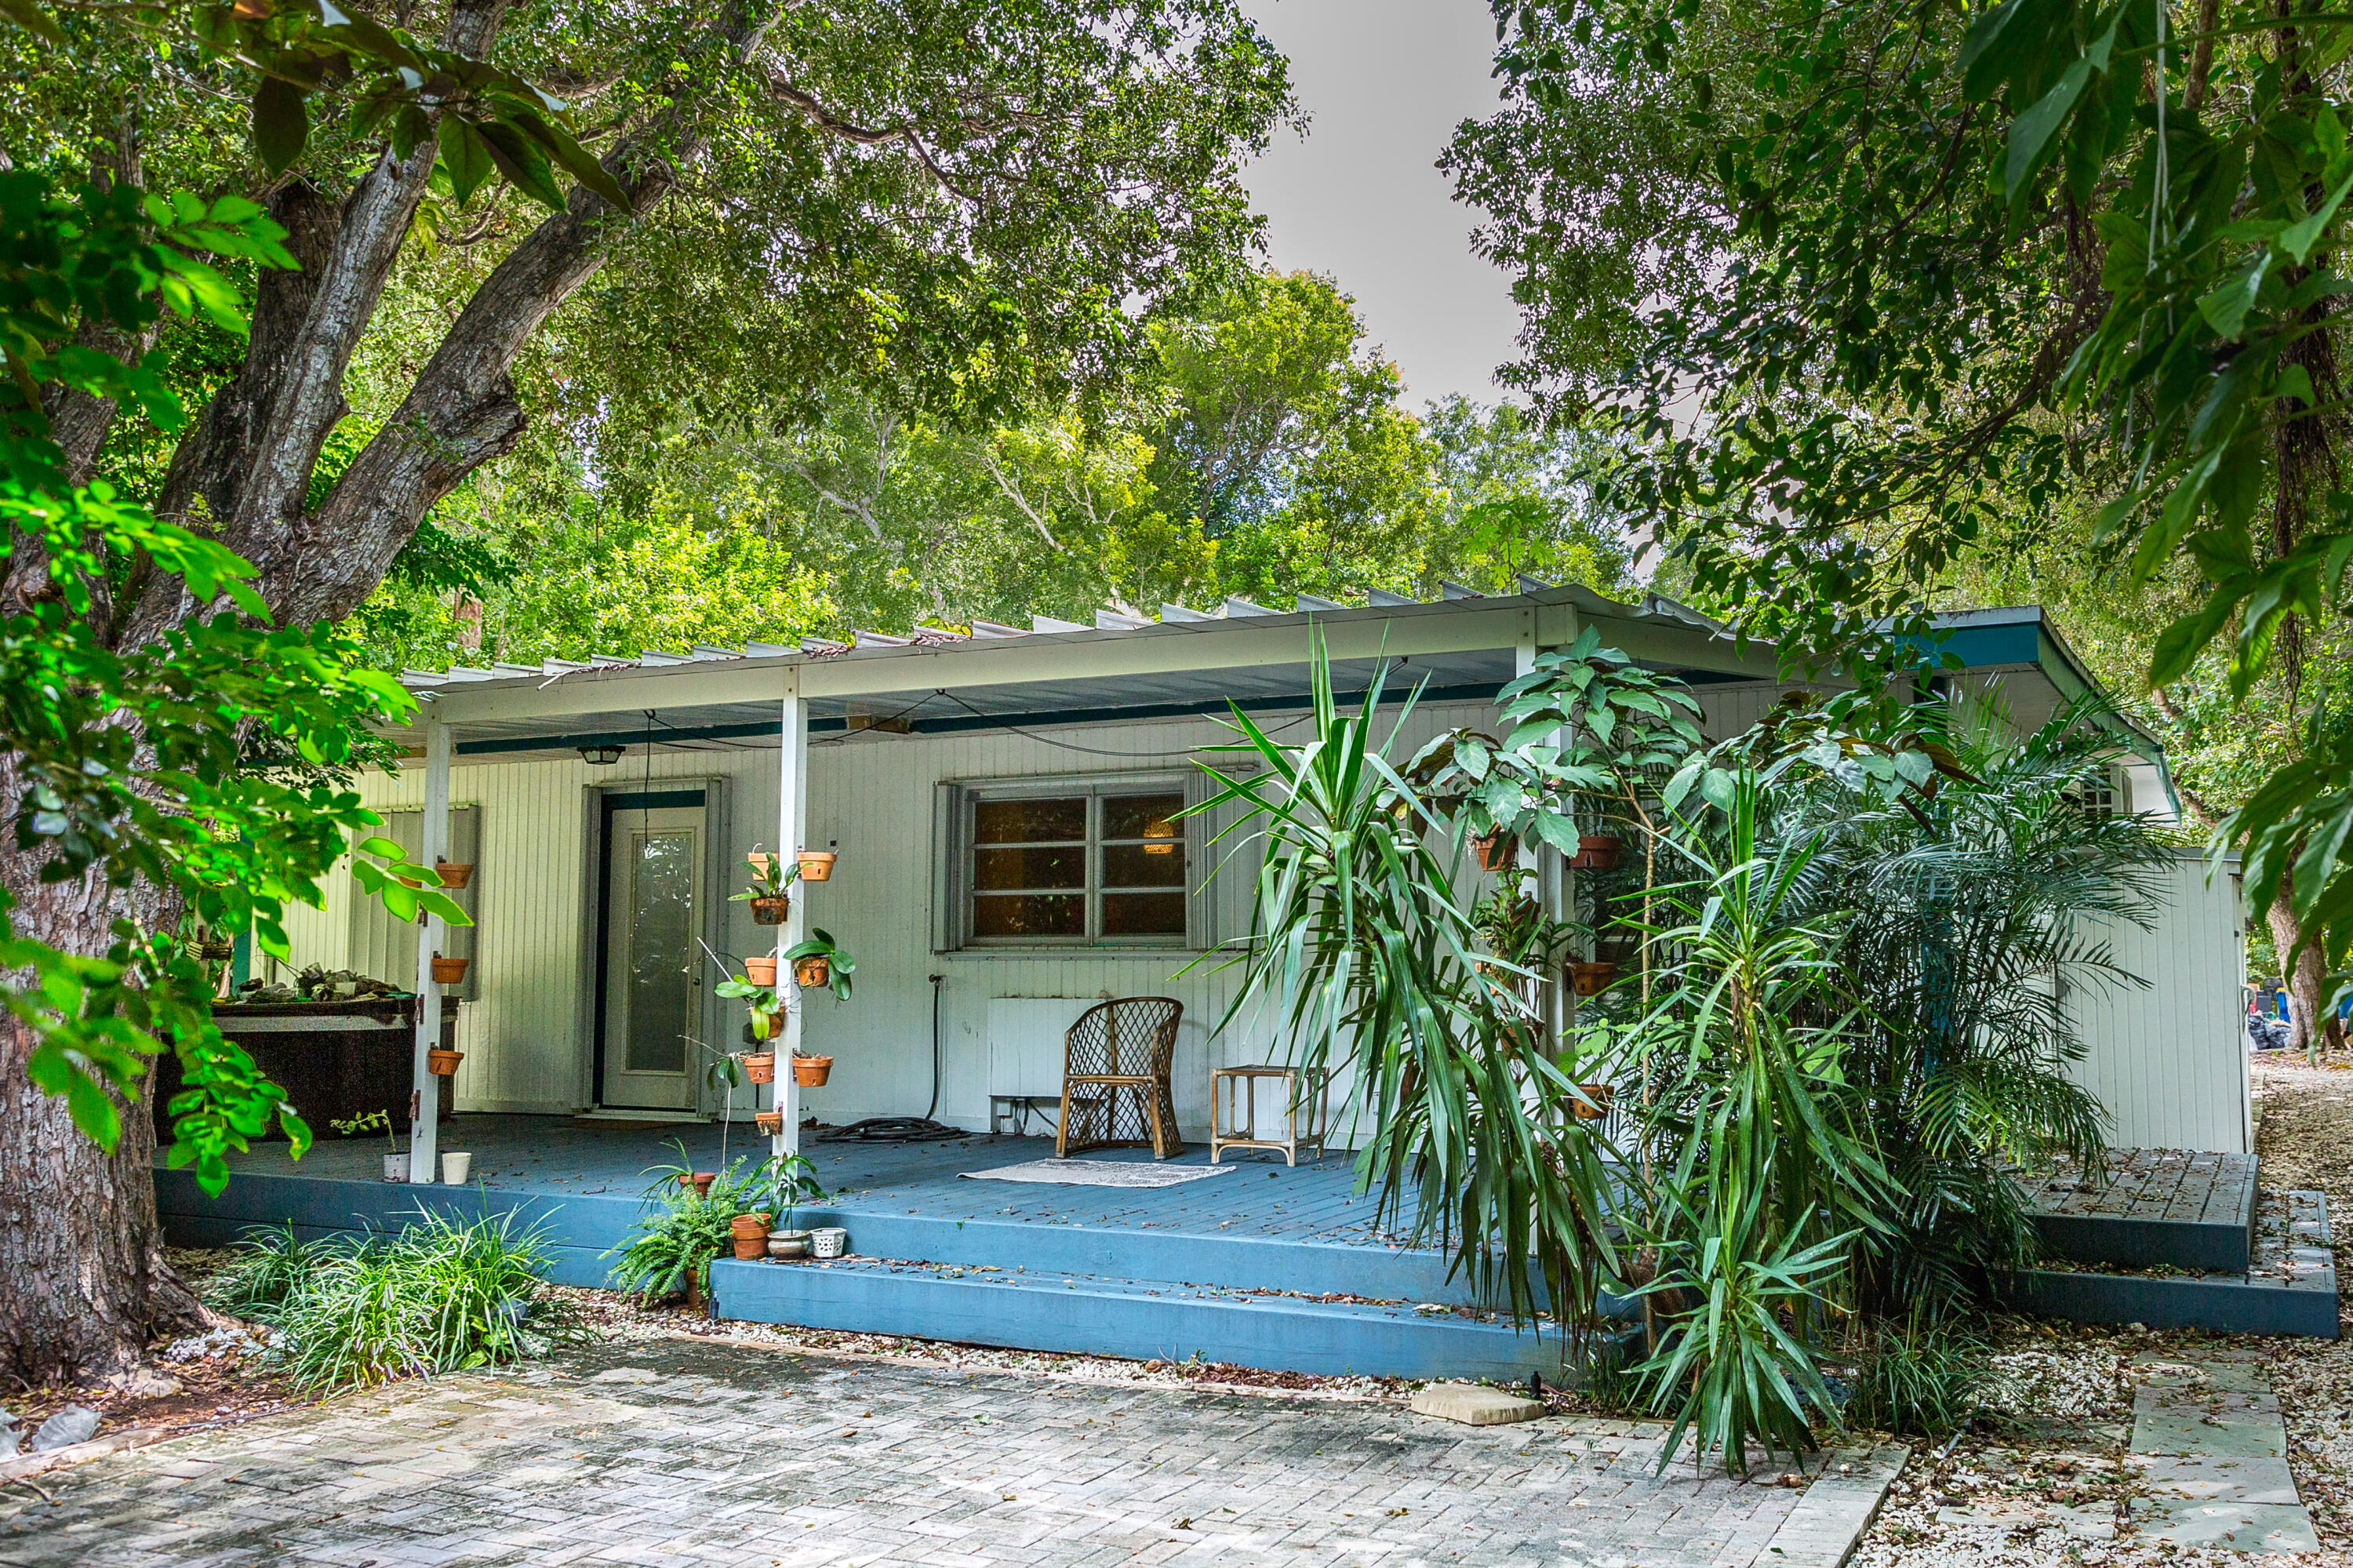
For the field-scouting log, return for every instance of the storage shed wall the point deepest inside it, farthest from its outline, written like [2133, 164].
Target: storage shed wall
[2167, 1058]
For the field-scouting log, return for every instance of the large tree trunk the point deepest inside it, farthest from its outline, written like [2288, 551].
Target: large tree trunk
[83, 1286]
[2305, 976]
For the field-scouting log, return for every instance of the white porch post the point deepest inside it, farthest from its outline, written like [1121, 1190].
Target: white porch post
[1552, 877]
[792, 830]
[424, 1140]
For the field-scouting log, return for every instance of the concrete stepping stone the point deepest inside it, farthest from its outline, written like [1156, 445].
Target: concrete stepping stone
[2209, 1442]
[1474, 1405]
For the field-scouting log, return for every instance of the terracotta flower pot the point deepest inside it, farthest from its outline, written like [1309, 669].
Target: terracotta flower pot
[449, 972]
[443, 1063]
[750, 1234]
[813, 971]
[455, 872]
[700, 1181]
[770, 1123]
[760, 863]
[760, 1066]
[761, 971]
[1593, 979]
[767, 1025]
[809, 1072]
[1599, 1095]
[816, 866]
[771, 911]
[1495, 850]
[1595, 852]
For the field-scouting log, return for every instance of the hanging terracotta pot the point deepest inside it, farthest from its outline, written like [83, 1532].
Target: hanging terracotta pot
[700, 1181]
[1595, 852]
[809, 1072]
[770, 1123]
[759, 862]
[443, 1063]
[760, 1066]
[813, 971]
[1494, 850]
[1593, 979]
[449, 972]
[761, 970]
[816, 866]
[750, 1234]
[771, 911]
[455, 872]
[1599, 1095]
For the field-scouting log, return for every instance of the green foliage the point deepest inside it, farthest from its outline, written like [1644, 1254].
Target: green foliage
[368, 1122]
[1360, 947]
[680, 1230]
[1759, 1171]
[2077, 258]
[439, 1295]
[208, 764]
[1911, 1378]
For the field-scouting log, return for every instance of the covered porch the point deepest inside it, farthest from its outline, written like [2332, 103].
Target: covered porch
[1260, 1264]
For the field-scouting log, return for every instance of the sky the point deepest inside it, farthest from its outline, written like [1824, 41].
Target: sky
[1384, 83]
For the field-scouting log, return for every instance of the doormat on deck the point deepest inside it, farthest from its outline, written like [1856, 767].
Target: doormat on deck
[1095, 1173]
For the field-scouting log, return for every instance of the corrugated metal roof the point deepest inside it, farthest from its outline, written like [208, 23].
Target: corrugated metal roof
[1108, 619]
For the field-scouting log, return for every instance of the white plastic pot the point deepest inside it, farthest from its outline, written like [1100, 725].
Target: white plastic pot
[396, 1167]
[454, 1166]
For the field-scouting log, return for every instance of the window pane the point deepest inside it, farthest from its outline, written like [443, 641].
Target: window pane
[1144, 914]
[1029, 821]
[1029, 915]
[1144, 866]
[1142, 816]
[1011, 869]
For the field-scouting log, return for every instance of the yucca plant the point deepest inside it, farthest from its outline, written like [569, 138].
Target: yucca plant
[1364, 955]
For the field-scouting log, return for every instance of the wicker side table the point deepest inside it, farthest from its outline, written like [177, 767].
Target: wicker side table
[1233, 1110]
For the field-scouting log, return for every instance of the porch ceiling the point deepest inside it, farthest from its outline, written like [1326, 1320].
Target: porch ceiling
[1088, 700]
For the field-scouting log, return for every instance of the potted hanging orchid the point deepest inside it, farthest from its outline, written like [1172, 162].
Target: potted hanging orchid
[820, 963]
[768, 893]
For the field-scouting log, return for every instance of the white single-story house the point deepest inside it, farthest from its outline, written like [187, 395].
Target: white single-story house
[607, 807]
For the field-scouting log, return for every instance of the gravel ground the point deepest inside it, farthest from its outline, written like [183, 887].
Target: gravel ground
[2045, 1486]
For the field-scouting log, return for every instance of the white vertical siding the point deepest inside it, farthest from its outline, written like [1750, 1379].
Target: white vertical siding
[2168, 1059]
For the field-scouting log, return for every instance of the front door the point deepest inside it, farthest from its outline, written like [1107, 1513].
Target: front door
[653, 969]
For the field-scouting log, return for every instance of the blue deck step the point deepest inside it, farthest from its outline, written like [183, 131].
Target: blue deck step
[1142, 1319]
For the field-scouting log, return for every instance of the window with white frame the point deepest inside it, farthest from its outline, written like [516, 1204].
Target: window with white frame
[1073, 862]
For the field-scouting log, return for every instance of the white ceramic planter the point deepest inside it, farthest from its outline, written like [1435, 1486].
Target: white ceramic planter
[828, 1241]
[454, 1166]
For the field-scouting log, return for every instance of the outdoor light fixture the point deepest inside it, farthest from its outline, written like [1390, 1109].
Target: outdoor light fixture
[600, 755]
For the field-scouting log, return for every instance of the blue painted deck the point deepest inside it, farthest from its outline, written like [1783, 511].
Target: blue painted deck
[1223, 1267]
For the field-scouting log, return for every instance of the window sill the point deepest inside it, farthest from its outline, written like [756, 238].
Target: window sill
[1073, 954]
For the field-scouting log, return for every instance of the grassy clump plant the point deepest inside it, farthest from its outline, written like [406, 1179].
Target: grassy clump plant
[1913, 1379]
[441, 1294]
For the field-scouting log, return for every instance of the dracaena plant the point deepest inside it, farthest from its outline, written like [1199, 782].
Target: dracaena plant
[1366, 959]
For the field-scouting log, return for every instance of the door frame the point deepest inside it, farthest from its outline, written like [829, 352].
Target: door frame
[600, 802]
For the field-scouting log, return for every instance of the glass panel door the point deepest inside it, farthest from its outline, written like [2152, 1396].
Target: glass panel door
[653, 970]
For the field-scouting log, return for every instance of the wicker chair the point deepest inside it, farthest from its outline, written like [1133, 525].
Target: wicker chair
[1116, 1065]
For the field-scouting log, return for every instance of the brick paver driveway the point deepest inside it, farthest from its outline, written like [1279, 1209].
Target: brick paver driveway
[688, 1453]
